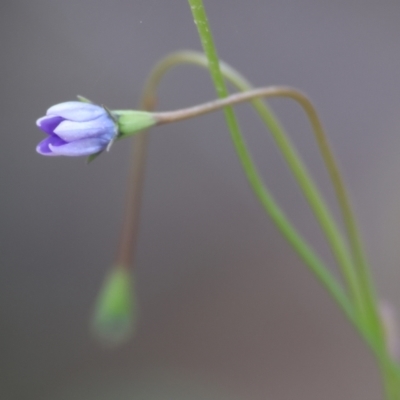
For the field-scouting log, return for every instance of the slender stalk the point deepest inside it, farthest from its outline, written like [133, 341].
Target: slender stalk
[240, 82]
[320, 209]
[131, 220]
[296, 165]
[237, 80]
[276, 91]
[201, 21]
[196, 58]
[285, 146]
[130, 224]
[277, 215]
[252, 174]
[129, 231]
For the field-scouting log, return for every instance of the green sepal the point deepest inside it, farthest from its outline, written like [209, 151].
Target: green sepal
[84, 99]
[115, 311]
[93, 157]
[131, 121]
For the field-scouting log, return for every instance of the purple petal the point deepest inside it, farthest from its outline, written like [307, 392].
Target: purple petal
[83, 147]
[44, 146]
[48, 123]
[76, 111]
[71, 130]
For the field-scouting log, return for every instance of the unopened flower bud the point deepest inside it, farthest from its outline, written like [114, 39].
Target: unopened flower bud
[79, 128]
[115, 312]
[76, 128]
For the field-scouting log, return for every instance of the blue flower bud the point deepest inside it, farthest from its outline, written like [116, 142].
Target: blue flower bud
[76, 128]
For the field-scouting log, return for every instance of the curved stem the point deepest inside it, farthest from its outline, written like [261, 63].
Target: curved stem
[293, 160]
[321, 212]
[204, 31]
[297, 167]
[130, 223]
[236, 79]
[131, 219]
[277, 215]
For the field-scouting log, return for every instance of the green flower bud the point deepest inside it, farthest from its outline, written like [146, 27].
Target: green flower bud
[115, 311]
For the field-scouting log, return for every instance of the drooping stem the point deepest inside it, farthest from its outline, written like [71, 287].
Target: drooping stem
[321, 212]
[296, 165]
[332, 232]
[277, 131]
[236, 79]
[131, 219]
[129, 231]
[130, 224]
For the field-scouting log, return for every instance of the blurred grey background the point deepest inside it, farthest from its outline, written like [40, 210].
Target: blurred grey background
[227, 309]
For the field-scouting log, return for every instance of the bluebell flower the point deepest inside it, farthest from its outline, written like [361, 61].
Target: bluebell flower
[76, 128]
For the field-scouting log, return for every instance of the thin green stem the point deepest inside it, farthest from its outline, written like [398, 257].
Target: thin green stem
[283, 143]
[294, 162]
[252, 174]
[310, 191]
[312, 195]
[315, 264]
[201, 22]
[279, 218]
[196, 58]
[150, 96]
[272, 91]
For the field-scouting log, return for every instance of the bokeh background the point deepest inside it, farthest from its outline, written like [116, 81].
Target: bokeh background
[227, 309]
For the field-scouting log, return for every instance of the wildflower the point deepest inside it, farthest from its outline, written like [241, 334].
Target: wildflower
[76, 128]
